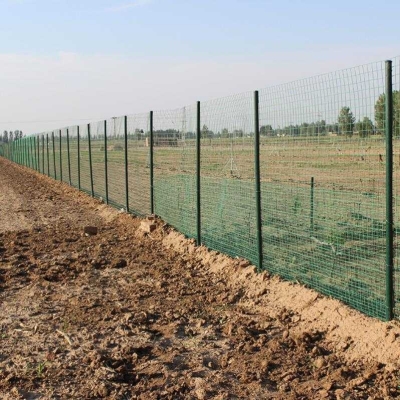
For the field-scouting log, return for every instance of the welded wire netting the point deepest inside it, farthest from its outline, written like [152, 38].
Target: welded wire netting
[84, 159]
[73, 155]
[227, 176]
[97, 132]
[49, 154]
[138, 128]
[323, 184]
[56, 154]
[175, 166]
[116, 161]
[323, 177]
[64, 166]
[396, 180]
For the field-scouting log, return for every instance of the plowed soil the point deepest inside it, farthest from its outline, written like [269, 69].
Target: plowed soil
[125, 314]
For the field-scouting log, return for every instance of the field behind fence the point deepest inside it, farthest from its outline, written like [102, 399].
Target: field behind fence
[301, 179]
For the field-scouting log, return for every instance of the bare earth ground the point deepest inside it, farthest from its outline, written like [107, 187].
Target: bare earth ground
[124, 314]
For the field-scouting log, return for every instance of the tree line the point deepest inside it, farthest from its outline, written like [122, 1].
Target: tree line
[346, 123]
[10, 136]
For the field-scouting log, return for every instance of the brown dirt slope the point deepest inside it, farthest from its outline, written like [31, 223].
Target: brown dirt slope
[124, 314]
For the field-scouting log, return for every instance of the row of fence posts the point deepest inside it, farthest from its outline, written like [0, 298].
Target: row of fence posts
[25, 155]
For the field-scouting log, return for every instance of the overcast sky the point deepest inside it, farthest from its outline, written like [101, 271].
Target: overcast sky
[64, 62]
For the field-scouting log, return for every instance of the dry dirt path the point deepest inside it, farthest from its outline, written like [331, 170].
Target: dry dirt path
[128, 315]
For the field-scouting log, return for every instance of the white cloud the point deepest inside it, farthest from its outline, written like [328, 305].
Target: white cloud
[131, 4]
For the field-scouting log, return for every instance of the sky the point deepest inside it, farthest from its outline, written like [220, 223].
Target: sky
[66, 62]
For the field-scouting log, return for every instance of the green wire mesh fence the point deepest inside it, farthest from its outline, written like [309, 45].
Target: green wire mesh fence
[138, 143]
[396, 186]
[323, 185]
[174, 141]
[227, 176]
[324, 180]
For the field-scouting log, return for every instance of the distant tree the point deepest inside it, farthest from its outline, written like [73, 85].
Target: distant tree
[364, 127]
[5, 137]
[266, 130]
[380, 113]
[225, 133]
[321, 127]
[204, 131]
[303, 129]
[333, 128]
[238, 133]
[138, 134]
[10, 136]
[346, 121]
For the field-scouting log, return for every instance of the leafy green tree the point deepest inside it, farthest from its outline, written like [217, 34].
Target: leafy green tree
[346, 121]
[364, 127]
[380, 113]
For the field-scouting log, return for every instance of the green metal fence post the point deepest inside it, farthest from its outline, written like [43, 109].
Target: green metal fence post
[389, 191]
[24, 151]
[312, 207]
[54, 155]
[48, 155]
[34, 153]
[28, 149]
[37, 153]
[27, 152]
[198, 172]
[43, 154]
[90, 161]
[61, 171]
[257, 180]
[105, 160]
[79, 158]
[31, 148]
[151, 164]
[126, 163]
[69, 159]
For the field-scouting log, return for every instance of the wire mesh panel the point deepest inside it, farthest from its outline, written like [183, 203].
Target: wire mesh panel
[84, 159]
[43, 153]
[73, 154]
[174, 168]
[50, 154]
[116, 161]
[138, 164]
[98, 158]
[323, 184]
[63, 146]
[228, 207]
[56, 153]
[32, 141]
[396, 184]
